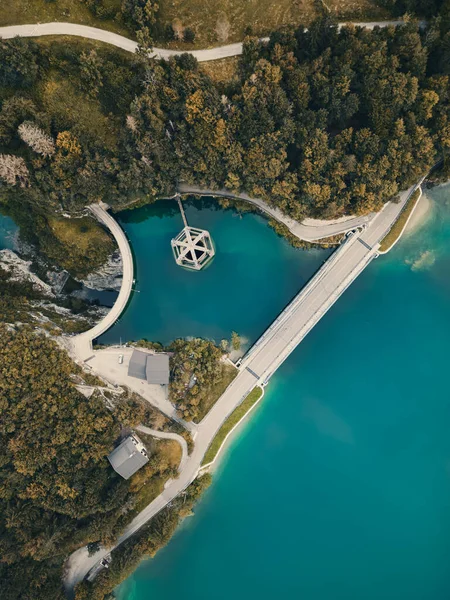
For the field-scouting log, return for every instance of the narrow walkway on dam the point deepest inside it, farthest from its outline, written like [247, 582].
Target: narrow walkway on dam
[81, 345]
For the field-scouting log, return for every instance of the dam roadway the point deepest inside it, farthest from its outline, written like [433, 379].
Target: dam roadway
[262, 360]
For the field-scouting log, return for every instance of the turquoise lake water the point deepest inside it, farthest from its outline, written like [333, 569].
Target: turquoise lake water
[253, 276]
[8, 233]
[338, 488]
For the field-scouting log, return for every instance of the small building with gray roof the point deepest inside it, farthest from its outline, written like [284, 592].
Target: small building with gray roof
[154, 368]
[138, 362]
[129, 456]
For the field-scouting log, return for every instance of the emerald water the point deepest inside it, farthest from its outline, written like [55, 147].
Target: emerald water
[252, 277]
[8, 233]
[338, 488]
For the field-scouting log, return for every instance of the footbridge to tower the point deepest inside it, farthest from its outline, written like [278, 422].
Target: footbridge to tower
[193, 248]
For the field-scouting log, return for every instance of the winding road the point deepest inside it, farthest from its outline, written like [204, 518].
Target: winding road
[101, 35]
[309, 230]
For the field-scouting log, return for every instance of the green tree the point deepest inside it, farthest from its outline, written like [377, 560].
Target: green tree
[235, 340]
[91, 72]
[18, 62]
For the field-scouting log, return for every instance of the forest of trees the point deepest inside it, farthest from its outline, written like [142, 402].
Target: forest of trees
[198, 376]
[319, 122]
[57, 489]
[147, 541]
[418, 8]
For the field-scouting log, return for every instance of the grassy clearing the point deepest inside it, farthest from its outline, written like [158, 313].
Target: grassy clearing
[214, 22]
[214, 392]
[356, 9]
[70, 108]
[225, 21]
[148, 482]
[222, 71]
[61, 92]
[398, 226]
[79, 245]
[79, 234]
[16, 12]
[232, 420]
[58, 45]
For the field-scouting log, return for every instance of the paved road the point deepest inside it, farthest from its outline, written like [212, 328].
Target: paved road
[308, 230]
[92, 33]
[164, 435]
[261, 362]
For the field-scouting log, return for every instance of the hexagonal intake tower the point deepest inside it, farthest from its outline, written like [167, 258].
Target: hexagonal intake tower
[192, 248]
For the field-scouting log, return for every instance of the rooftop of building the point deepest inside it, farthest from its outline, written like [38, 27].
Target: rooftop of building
[129, 456]
[152, 367]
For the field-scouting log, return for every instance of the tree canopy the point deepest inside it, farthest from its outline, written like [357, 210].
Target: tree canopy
[320, 122]
[57, 488]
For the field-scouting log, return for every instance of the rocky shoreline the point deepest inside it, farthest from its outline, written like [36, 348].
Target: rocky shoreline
[53, 302]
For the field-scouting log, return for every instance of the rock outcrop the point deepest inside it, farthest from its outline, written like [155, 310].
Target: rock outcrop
[19, 270]
[108, 277]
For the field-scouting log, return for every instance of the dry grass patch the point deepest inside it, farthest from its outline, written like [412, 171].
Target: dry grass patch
[218, 22]
[57, 43]
[16, 12]
[215, 391]
[357, 9]
[214, 22]
[79, 234]
[236, 416]
[222, 71]
[79, 245]
[71, 108]
[148, 482]
[170, 451]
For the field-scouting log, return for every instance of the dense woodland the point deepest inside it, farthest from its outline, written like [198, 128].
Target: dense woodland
[57, 489]
[198, 376]
[317, 122]
[146, 542]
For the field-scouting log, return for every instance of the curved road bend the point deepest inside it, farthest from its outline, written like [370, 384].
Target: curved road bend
[168, 436]
[257, 367]
[304, 231]
[101, 35]
[81, 344]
